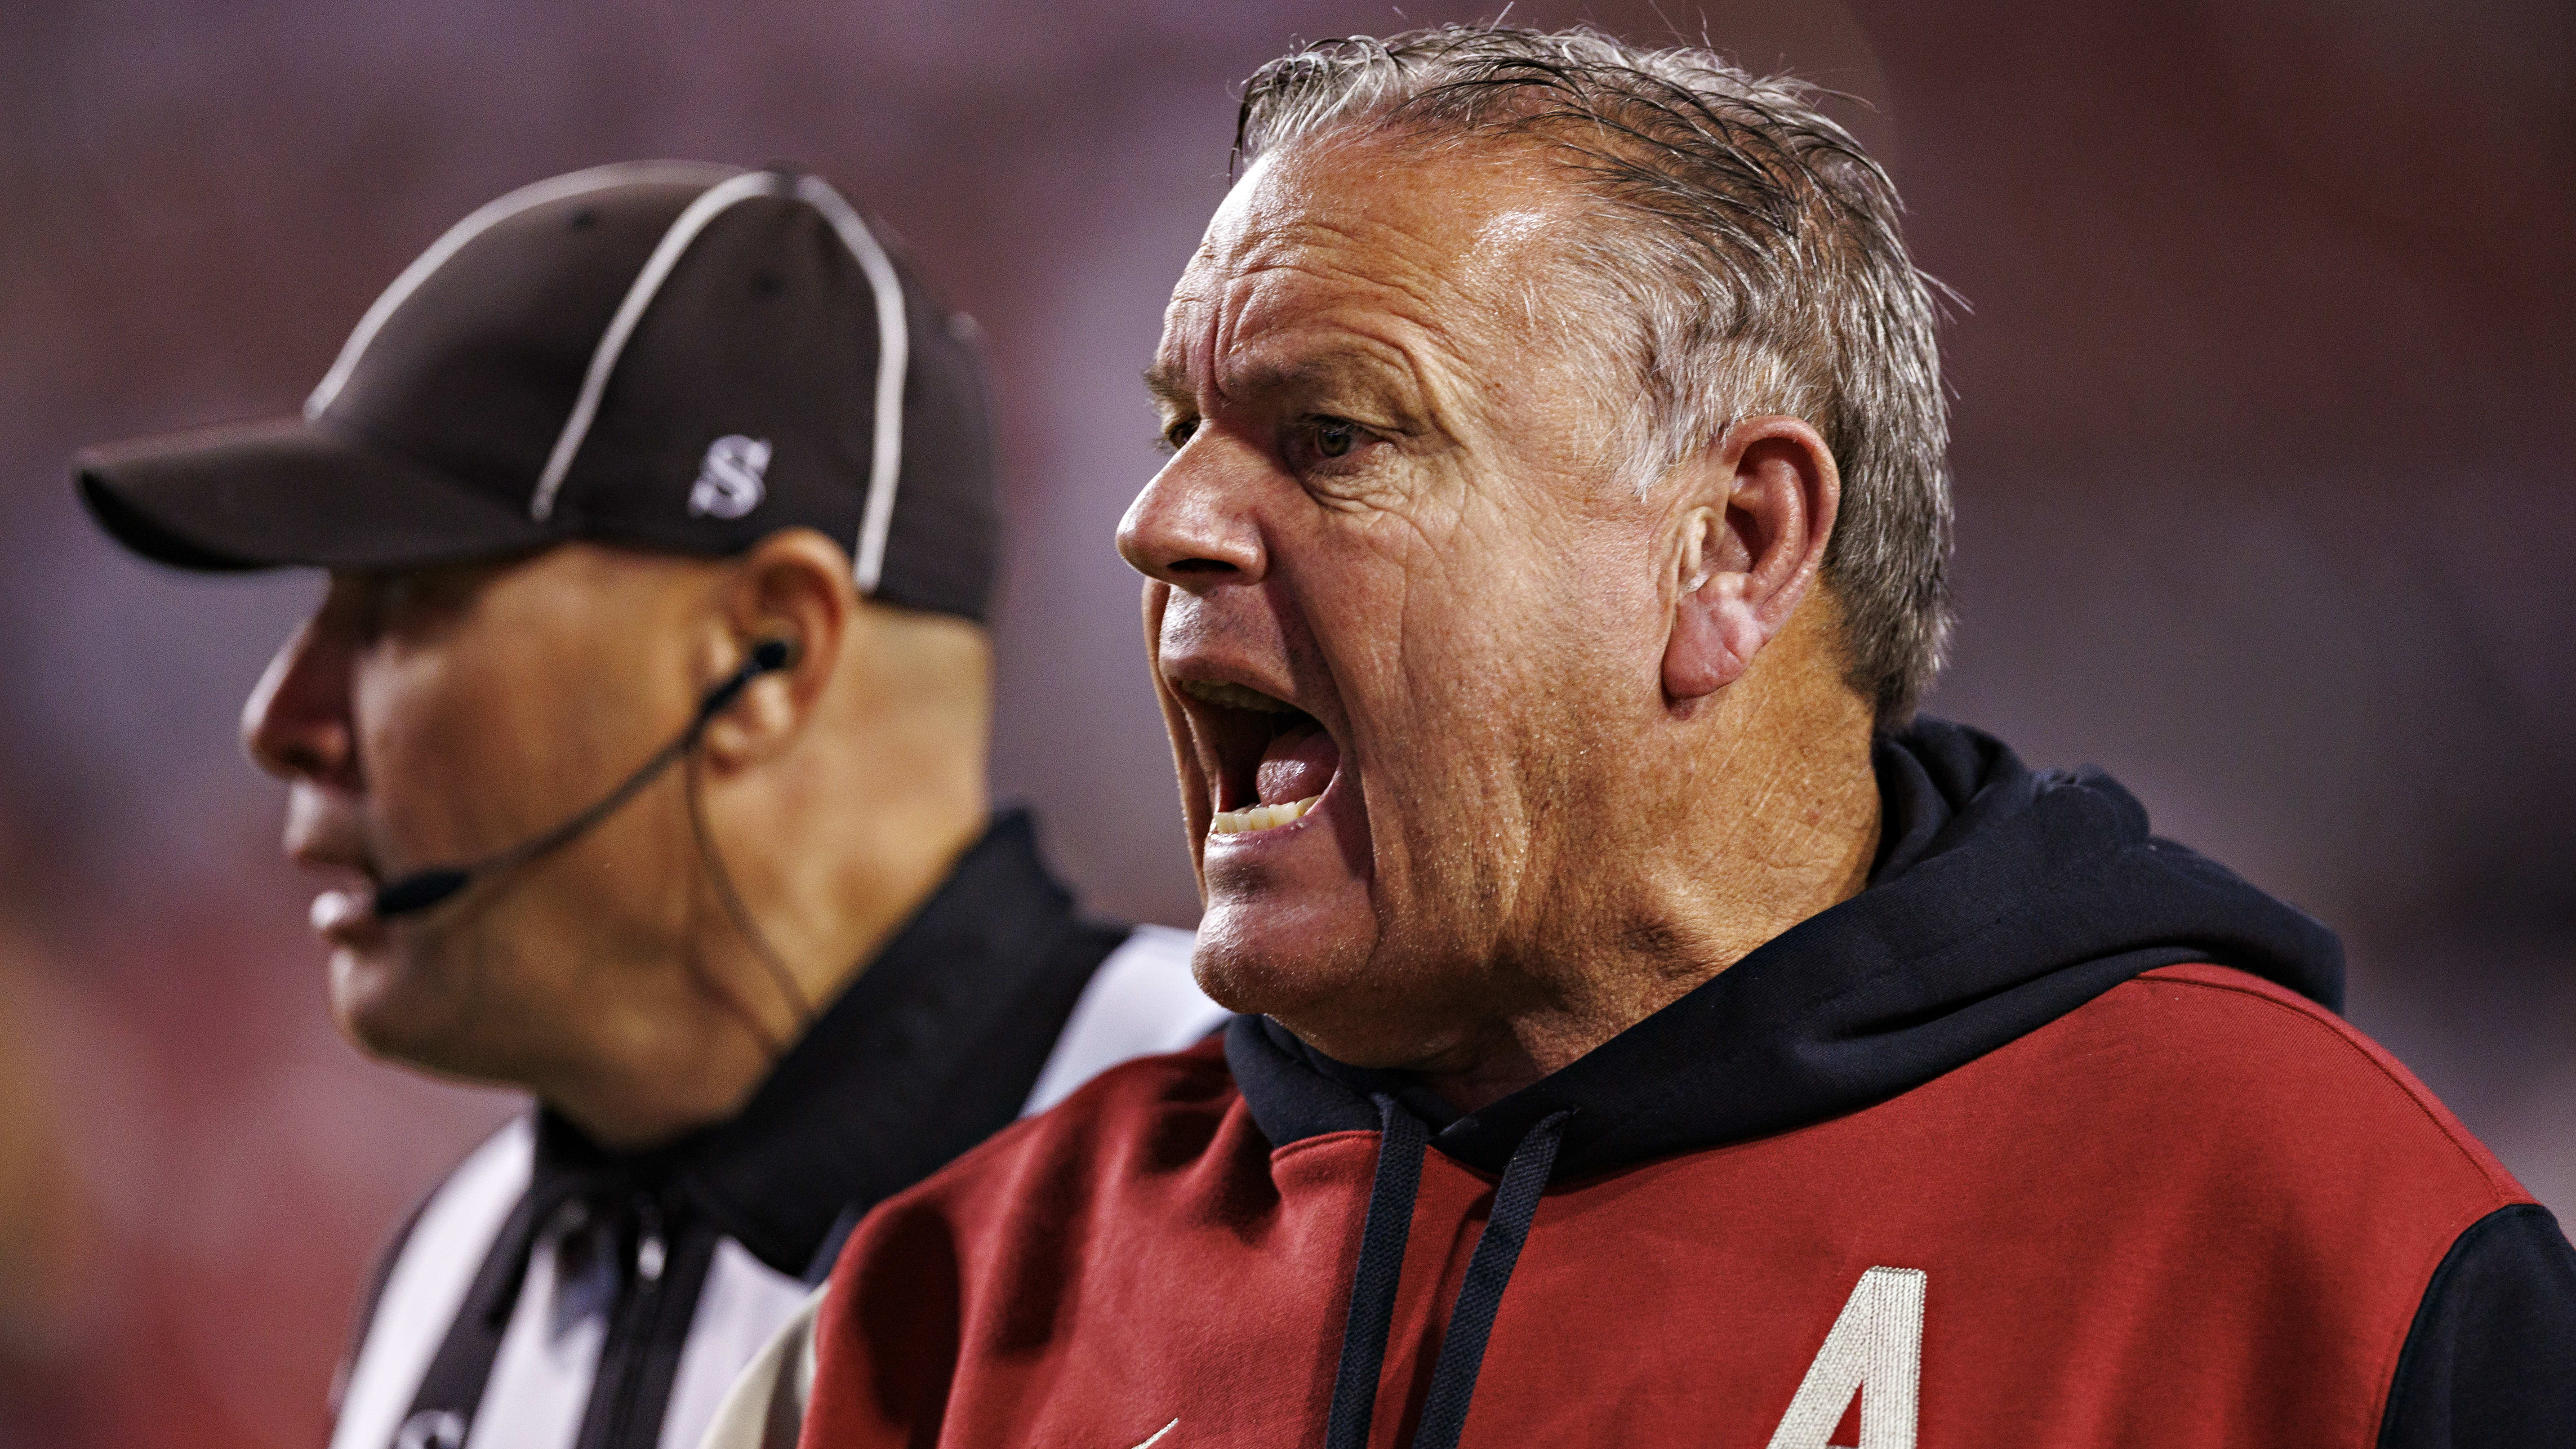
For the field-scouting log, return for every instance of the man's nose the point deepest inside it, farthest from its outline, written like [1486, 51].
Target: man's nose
[296, 724]
[1192, 527]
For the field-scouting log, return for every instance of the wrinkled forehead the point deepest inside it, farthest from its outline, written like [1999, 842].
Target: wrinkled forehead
[1343, 231]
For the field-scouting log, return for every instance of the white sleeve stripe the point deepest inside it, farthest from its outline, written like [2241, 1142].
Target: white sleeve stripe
[432, 1271]
[765, 1408]
[1141, 1001]
[537, 1392]
[740, 1309]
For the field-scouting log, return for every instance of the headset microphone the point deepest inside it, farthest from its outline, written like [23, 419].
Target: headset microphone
[421, 890]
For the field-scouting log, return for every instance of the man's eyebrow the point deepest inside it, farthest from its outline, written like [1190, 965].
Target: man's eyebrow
[1335, 369]
[1338, 369]
[1164, 381]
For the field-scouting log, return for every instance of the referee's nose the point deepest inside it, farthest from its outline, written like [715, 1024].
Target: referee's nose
[296, 724]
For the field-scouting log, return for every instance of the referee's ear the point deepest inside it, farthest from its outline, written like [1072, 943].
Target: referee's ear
[795, 585]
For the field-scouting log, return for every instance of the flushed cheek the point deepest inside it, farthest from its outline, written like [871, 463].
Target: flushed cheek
[1426, 806]
[1448, 771]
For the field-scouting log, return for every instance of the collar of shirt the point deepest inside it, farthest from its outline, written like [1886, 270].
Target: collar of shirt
[927, 1051]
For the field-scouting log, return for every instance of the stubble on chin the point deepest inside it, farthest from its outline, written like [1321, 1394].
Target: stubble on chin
[413, 1005]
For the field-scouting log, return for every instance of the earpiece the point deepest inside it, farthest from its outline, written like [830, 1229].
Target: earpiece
[775, 653]
[767, 657]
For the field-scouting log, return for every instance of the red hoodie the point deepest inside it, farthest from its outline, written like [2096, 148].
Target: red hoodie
[1989, 1155]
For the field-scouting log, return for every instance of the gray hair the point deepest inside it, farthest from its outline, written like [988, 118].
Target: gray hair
[1751, 249]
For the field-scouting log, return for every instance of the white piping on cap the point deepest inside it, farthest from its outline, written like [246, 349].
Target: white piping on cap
[483, 219]
[894, 354]
[710, 204]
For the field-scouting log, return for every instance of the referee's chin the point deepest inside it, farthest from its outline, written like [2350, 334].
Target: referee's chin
[372, 1006]
[395, 1002]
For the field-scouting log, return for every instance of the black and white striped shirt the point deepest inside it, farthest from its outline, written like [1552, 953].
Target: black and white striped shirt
[550, 1296]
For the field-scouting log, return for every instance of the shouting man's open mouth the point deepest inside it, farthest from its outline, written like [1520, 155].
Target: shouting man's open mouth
[1272, 762]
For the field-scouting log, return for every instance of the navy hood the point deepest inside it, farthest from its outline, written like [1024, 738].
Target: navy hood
[2002, 899]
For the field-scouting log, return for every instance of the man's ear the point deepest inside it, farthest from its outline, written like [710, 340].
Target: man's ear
[795, 585]
[1753, 525]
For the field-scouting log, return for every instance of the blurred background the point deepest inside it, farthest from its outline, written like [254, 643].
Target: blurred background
[2266, 406]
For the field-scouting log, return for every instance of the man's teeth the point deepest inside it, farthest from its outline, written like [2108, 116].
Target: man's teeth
[1259, 817]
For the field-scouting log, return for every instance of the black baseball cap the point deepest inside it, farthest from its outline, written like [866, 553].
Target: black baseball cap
[672, 355]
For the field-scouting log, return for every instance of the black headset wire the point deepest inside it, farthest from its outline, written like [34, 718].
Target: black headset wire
[426, 889]
[744, 923]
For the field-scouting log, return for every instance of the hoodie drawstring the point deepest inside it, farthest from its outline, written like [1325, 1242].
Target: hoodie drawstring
[1480, 1295]
[1401, 1140]
[1462, 1352]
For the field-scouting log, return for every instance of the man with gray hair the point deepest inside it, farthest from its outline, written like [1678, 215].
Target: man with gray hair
[1547, 567]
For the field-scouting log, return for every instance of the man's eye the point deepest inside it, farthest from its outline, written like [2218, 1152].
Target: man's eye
[1334, 438]
[1175, 435]
[413, 603]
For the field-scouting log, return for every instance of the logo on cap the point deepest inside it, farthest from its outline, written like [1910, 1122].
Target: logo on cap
[729, 485]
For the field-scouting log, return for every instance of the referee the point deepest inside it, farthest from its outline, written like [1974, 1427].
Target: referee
[645, 720]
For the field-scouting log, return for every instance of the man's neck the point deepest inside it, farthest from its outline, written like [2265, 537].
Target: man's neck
[694, 1053]
[1727, 864]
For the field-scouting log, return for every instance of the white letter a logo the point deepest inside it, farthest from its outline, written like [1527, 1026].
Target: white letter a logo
[1875, 1349]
